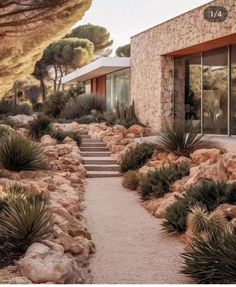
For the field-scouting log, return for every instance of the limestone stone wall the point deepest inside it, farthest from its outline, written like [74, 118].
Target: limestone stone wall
[152, 83]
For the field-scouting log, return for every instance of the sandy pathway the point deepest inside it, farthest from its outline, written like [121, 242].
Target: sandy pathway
[130, 246]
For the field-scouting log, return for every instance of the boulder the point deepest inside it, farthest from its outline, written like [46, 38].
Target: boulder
[119, 129]
[47, 140]
[138, 130]
[41, 264]
[228, 161]
[22, 120]
[228, 210]
[117, 148]
[158, 206]
[70, 244]
[202, 155]
[184, 160]
[70, 127]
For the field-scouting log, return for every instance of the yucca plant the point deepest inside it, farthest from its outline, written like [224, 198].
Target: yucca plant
[26, 221]
[5, 130]
[156, 183]
[199, 221]
[18, 153]
[181, 139]
[212, 259]
[137, 157]
[131, 179]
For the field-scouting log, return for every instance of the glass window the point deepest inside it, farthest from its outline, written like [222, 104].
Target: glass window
[233, 90]
[188, 90]
[215, 91]
[88, 87]
[117, 88]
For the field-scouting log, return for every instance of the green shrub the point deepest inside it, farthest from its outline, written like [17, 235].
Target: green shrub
[83, 105]
[39, 126]
[55, 104]
[131, 179]
[209, 194]
[212, 260]
[18, 153]
[176, 216]
[38, 107]
[157, 183]
[60, 136]
[137, 157]
[181, 139]
[23, 109]
[86, 120]
[26, 221]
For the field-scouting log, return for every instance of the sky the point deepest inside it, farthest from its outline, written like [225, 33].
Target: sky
[126, 18]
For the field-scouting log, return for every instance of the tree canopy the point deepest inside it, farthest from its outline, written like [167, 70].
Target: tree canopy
[123, 51]
[62, 56]
[27, 27]
[98, 35]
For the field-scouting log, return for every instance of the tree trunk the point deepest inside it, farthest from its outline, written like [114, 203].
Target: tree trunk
[43, 90]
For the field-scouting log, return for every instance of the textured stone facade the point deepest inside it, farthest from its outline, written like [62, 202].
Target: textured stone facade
[152, 71]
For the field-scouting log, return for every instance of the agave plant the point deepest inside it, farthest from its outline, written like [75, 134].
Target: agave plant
[18, 153]
[212, 259]
[181, 139]
[26, 221]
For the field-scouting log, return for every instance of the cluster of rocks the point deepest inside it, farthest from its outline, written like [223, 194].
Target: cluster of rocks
[118, 139]
[64, 256]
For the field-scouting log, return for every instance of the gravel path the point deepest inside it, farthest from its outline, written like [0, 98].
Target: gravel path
[130, 246]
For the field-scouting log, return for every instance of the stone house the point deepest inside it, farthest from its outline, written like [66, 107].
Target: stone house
[183, 69]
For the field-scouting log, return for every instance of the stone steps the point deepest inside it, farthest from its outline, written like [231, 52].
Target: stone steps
[97, 167]
[97, 159]
[94, 149]
[102, 174]
[95, 154]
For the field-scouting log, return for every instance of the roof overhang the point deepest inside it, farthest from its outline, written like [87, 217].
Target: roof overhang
[100, 67]
[205, 46]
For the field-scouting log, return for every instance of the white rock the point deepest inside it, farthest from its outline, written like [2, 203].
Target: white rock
[41, 264]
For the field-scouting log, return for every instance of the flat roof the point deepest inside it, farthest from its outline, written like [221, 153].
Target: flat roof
[100, 67]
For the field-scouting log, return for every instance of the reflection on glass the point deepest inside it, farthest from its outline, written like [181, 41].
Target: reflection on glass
[215, 91]
[117, 88]
[233, 90]
[188, 90]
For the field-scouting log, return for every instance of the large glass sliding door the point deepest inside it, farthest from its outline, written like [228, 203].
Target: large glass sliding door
[205, 90]
[233, 90]
[215, 91]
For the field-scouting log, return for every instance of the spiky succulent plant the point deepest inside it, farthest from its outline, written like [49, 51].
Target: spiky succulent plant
[212, 259]
[26, 221]
[199, 221]
[18, 153]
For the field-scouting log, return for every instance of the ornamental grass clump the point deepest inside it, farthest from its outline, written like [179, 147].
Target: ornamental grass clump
[137, 157]
[209, 194]
[18, 153]
[212, 259]
[131, 179]
[156, 183]
[181, 139]
[39, 127]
